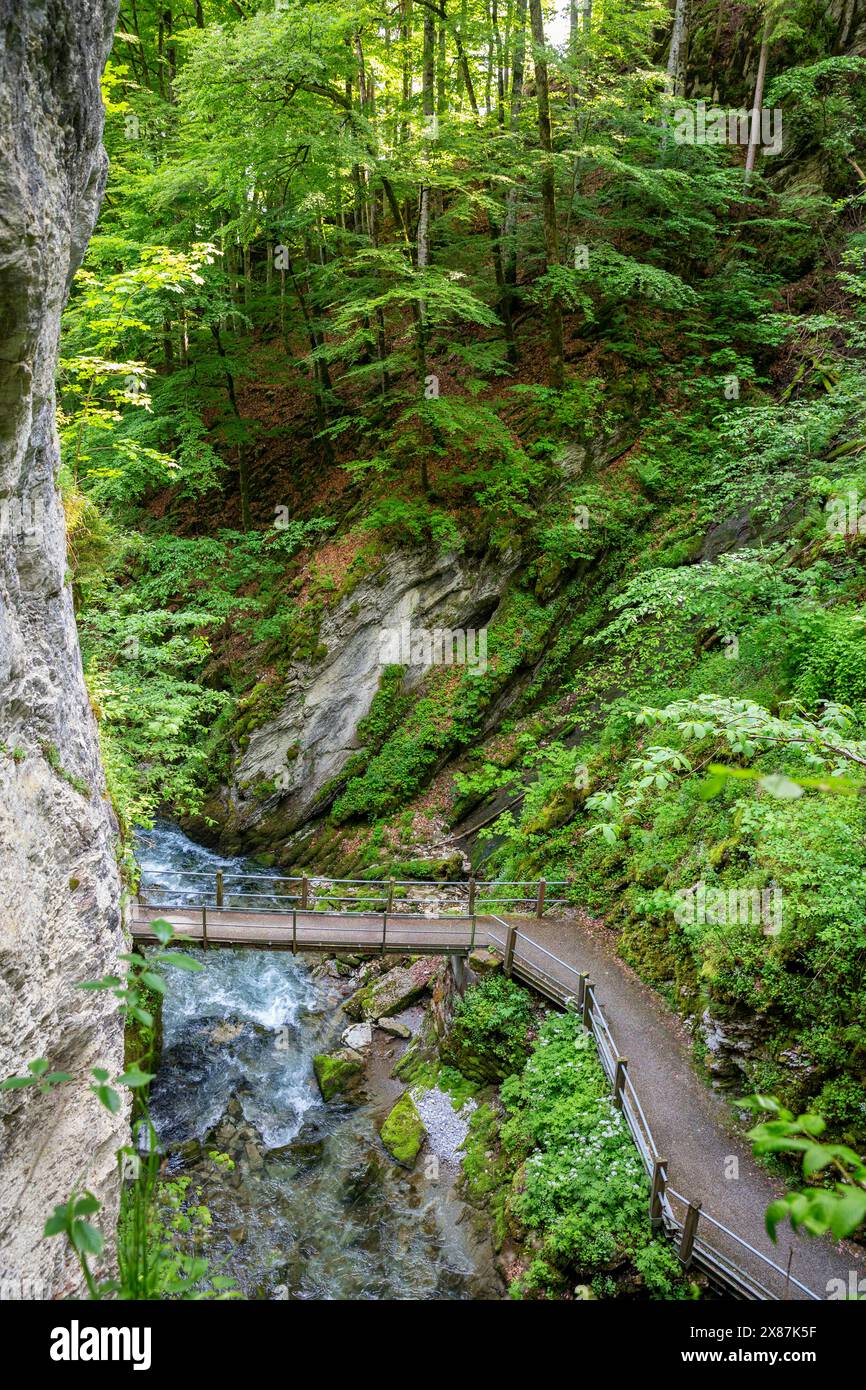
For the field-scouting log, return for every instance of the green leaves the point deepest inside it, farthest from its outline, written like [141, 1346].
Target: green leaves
[178, 961]
[39, 1075]
[105, 1094]
[839, 1209]
[134, 1077]
[70, 1219]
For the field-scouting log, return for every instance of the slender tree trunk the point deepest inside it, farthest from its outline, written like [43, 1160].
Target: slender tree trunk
[170, 50]
[248, 275]
[677, 51]
[243, 471]
[422, 254]
[500, 74]
[548, 194]
[405, 42]
[381, 340]
[517, 74]
[319, 376]
[428, 78]
[755, 129]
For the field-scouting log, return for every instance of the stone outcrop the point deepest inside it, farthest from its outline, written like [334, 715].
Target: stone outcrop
[299, 753]
[339, 1073]
[59, 887]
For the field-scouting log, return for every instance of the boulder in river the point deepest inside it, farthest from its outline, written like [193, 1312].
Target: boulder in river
[338, 1072]
[359, 1036]
[394, 1027]
[391, 993]
[403, 1132]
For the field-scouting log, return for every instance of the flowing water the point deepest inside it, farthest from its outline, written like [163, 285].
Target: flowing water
[314, 1207]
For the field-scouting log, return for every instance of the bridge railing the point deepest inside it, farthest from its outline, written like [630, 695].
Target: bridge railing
[703, 1241]
[354, 932]
[235, 890]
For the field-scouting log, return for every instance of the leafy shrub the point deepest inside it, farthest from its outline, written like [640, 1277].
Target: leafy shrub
[489, 1034]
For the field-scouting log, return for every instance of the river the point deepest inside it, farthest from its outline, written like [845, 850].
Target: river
[314, 1208]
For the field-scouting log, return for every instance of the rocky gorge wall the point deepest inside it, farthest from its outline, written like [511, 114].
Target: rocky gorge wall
[60, 917]
[287, 766]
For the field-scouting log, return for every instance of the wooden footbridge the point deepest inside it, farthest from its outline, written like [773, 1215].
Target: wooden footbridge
[415, 918]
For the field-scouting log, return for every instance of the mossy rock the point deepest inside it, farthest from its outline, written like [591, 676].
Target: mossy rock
[407, 1067]
[390, 993]
[559, 810]
[338, 1072]
[403, 1132]
[483, 961]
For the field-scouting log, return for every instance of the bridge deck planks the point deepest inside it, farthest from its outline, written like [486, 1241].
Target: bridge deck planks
[315, 931]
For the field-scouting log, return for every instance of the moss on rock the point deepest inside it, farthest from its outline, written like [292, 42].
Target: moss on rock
[403, 1132]
[392, 992]
[337, 1072]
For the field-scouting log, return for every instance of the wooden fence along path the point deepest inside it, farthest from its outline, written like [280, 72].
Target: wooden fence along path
[382, 921]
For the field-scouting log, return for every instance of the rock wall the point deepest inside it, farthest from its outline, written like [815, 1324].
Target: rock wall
[309, 742]
[59, 885]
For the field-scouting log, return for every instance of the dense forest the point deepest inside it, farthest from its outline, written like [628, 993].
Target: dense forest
[541, 325]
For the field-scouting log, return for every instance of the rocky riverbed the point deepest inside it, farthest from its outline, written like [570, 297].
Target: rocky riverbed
[308, 1198]
[305, 1198]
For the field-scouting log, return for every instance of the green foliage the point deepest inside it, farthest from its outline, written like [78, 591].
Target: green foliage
[839, 1207]
[489, 1034]
[583, 1187]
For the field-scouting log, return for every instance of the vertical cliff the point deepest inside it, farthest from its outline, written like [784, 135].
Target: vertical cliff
[59, 887]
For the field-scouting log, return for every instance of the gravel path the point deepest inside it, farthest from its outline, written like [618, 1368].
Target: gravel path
[446, 1127]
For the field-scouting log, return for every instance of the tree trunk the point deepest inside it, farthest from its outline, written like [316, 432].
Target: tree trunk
[677, 51]
[548, 195]
[517, 74]
[755, 129]
[422, 253]
[428, 78]
[243, 471]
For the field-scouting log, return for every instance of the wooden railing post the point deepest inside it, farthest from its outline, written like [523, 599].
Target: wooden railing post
[539, 898]
[690, 1226]
[586, 1004]
[384, 930]
[508, 963]
[219, 888]
[581, 990]
[472, 933]
[471, 895]
[657, 1192]
[204, 927]
[619, 1081]
[305, 893]
[294, 932]
[390, 904]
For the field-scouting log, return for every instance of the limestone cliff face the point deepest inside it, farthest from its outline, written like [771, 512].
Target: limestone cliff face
[309, 742]
[59, 887]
